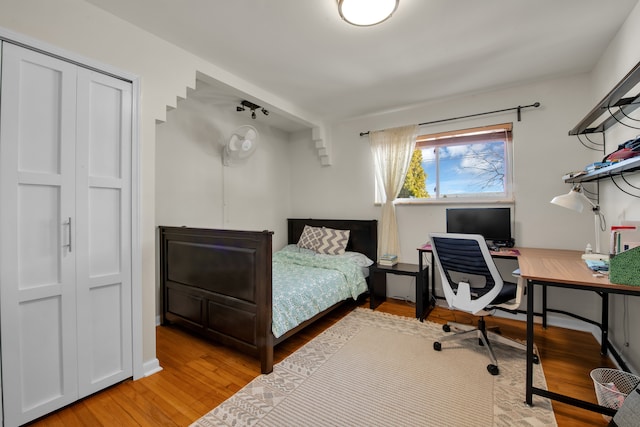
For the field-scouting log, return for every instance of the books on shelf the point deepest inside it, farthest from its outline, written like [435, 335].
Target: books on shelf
[388, 260]
[597, 165]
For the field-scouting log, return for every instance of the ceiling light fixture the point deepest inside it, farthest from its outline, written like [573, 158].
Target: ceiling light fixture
[364, 13]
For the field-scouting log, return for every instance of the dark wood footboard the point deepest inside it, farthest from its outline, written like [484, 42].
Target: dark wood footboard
[217, 283]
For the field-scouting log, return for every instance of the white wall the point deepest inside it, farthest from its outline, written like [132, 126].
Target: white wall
[621, 56]
[165, 72]
[194, 189]
[543, 152]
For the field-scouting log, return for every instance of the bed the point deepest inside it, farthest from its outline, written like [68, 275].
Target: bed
[219, 283]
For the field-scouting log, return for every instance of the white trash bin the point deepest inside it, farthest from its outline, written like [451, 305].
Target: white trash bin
[613, 386]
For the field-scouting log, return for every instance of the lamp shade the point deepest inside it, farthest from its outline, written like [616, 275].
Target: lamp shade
[576, 200]
[569, 201]
[364, 13]
[573, 200]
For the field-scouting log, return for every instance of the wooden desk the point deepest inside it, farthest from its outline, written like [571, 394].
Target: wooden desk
[565, 269]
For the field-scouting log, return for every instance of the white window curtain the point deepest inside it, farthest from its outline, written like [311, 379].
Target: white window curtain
[392, 150]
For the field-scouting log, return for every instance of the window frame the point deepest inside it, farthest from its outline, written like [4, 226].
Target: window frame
[462, 137]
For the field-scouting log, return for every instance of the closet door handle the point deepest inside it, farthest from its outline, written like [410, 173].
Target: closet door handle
[68, 223]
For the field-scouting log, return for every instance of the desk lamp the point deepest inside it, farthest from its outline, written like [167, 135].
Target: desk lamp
[576, 200]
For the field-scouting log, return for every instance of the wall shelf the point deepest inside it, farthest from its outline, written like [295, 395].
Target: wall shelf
[619, 168]
[612, 109]
[619, 99]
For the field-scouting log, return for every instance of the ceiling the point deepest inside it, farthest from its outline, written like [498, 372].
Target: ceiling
[302, 52]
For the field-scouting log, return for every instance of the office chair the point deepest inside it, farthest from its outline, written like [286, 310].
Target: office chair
[465, 258]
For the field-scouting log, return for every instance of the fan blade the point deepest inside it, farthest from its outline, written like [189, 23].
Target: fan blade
[251, 134]
[233, 142]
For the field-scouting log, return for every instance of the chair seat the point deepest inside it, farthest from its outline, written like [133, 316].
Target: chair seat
[507, 293]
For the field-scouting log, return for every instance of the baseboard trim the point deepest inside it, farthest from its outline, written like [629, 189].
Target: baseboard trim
[151, 367]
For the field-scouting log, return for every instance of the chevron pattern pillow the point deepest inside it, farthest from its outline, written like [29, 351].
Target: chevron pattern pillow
[310, 237]
[333, 242]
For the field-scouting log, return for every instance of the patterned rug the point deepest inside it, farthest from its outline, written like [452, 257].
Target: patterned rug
[377, 369]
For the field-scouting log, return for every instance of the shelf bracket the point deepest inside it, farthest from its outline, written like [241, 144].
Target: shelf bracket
[616, 98]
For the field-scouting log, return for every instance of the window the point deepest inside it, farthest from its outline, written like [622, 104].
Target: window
[464, 165]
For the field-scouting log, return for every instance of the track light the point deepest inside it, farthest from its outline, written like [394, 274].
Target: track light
[253, 107]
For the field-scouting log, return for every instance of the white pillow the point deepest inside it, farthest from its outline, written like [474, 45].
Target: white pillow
[359, 259]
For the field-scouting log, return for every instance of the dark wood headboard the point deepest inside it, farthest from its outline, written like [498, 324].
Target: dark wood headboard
[363, 236]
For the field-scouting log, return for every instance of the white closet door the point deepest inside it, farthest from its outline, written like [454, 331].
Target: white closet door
[37, 257]
[65, 233]
[103, 243]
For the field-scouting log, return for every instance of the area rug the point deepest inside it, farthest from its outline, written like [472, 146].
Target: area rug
[378, 369]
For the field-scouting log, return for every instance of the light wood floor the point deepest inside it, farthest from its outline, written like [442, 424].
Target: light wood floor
[198, 375]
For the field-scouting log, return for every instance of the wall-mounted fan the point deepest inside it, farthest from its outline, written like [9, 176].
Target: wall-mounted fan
[241, 145]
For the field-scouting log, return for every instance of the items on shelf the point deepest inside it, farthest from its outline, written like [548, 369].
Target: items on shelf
[626, 150]
[615, 108]
[596, 165]
[614, 169]
[574, 174]
[388, 260]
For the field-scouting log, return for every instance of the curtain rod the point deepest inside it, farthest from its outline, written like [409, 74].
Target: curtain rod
[519, 108]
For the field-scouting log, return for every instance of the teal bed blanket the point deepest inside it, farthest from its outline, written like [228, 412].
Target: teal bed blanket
[306, 283]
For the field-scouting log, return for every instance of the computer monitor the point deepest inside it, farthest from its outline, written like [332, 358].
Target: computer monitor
[493, 224]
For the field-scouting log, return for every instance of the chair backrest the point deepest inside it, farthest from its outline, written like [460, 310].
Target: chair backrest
[461, 257]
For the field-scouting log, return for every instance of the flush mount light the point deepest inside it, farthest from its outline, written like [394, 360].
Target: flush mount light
[364, 13]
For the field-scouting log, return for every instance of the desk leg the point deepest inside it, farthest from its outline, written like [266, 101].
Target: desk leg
[419, 297]
[529, 379]
[378, 292]
[423, 302]
[544, 307]
[604, 324]
[433, 280]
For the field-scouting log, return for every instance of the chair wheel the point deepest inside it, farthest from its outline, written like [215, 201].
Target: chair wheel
[493, 369]
[446, 328]
[536, 359]
[437, 346]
